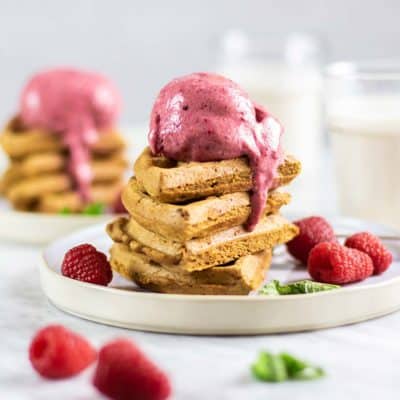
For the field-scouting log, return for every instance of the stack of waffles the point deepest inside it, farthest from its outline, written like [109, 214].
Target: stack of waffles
[37, 178]
[185, 231]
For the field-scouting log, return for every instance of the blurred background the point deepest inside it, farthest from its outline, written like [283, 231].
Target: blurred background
[278, 50]
[143, 44]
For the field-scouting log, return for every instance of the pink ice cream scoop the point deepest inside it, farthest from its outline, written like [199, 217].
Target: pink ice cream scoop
[206, 117]
[79, 105]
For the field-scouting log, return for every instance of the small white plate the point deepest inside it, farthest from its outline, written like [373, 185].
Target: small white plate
[39, 228]
[122, 304]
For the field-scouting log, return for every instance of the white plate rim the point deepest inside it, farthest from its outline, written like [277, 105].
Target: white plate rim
[43, 228]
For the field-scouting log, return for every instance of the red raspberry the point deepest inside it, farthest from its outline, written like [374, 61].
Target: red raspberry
[84, 263]
[124, 372]
[371, 245]
[333, 263]
[313, 230]
[56, 352]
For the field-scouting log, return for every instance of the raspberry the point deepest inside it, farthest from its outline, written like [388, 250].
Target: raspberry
[84, 263]
[55, 352]
[313, 230]
[333, 263]
[124, 372]
[371, 245]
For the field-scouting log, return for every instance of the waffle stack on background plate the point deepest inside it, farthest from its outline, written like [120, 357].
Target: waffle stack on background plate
[185, 232]
[37, 177]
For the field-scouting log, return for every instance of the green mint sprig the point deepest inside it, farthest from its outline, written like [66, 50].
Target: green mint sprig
[299, 369]
[271, 367]
[275, 288]
[65, 211]
[90, 209]
[94, 209]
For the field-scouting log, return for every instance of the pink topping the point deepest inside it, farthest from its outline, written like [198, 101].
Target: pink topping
[79, 105]
[206, 117]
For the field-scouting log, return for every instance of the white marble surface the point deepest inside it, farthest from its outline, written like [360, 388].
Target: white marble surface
[361, 360]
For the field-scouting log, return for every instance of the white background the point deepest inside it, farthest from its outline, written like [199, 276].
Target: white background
[143, 44]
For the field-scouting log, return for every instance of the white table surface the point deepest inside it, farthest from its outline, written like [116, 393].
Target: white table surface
[361, 360]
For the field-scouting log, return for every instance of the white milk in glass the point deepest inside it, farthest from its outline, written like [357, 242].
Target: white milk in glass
[366, 143]
[293, 95]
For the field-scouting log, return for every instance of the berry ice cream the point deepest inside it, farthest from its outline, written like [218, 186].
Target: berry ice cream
[79, 105]
[206, 117]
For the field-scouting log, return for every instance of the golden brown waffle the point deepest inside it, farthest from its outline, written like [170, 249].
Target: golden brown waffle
[174, 182]
[19, 142]
[185, 231]
[47, 165]
[203, 253]
[20, 189]
[37, 177]
[29, 190]
[197, 219]
[51, 201]
[240, 277]
[105, 193]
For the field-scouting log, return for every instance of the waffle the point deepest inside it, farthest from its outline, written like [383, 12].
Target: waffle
[238, 278]
[196, 219]
[185, 232]
[37, 177]
[199, 254]
[104, 193]
[174, 182]
[19, 142]
[49, 165]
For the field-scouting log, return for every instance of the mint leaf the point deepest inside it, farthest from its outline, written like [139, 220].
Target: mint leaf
[299, 369]
[307, 286]
[94, 209]
[269, 368]
[90, 209]
[281, 367]
[309, 373]
[270, 289]
[65, 211]
[274, 288]
[293, 365]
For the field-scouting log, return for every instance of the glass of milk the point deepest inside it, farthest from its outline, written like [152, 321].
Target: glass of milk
[363, 113]
[283, 73]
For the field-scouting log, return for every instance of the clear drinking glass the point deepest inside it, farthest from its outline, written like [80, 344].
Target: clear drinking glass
[363, 113]
[284, 73]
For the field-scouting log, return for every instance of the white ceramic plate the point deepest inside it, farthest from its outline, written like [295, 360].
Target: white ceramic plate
[124, 305]
[38, 228]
